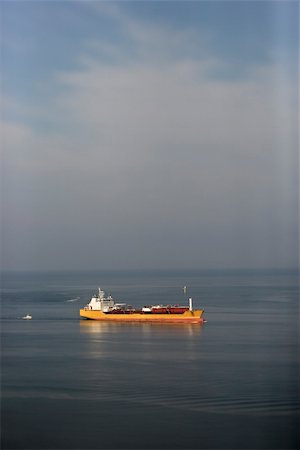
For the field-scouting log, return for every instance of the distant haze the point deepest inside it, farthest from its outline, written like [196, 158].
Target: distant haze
[149, 135]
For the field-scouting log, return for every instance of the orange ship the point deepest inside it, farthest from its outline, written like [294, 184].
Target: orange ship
[104, 308]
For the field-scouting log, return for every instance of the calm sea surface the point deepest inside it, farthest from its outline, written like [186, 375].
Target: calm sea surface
[232, 383]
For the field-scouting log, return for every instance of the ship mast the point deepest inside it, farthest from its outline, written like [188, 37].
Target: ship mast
[185, 293]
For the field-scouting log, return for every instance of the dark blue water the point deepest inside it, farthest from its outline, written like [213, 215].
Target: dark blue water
[232, 383]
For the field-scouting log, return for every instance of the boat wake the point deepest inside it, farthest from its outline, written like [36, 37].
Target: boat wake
[71, 300]
[257, 406]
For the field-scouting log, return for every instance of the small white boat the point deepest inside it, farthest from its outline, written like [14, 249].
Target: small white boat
[27, 317]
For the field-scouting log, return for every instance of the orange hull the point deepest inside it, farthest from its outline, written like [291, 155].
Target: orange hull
[186, 317]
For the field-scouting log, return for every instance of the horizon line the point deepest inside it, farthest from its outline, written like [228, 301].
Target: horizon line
[158, 269]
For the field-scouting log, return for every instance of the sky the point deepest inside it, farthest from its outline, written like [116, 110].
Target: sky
[149, 134]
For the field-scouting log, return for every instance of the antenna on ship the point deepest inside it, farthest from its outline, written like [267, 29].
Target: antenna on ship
[185, 293]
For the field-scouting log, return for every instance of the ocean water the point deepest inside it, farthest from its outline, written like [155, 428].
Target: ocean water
[231, 383]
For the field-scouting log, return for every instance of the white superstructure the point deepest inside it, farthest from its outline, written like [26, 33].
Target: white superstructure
[100, 303]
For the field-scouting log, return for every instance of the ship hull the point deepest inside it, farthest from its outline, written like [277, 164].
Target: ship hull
[186, 317]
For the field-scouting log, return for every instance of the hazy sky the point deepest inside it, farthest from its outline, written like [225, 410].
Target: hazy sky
[149, 134]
